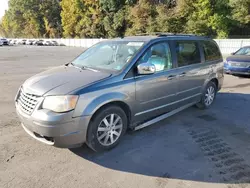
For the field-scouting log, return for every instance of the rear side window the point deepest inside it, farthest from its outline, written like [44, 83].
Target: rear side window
[211, 51]
[188, 53]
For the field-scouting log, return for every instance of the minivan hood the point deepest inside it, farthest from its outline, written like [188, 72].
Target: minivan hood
[61, 80]
[239, 58]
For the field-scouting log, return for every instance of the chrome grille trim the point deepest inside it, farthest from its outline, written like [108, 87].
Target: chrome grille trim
[27, 102]
[239, 64]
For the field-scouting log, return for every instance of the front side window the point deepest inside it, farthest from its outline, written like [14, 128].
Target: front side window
[211, 51]
[109, 55]
[159, 55]
[188, 53]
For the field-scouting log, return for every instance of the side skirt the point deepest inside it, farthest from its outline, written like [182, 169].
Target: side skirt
[164, 116]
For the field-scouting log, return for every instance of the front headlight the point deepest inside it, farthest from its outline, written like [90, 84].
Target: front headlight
[60, 103]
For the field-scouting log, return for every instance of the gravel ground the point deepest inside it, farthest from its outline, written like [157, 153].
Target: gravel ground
[194, 148]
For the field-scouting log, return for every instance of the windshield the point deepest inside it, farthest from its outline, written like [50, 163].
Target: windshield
[110, 55]
[243, 51]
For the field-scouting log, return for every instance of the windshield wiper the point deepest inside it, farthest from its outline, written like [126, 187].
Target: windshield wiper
[72, 64]
[83, 67]
[88, 68]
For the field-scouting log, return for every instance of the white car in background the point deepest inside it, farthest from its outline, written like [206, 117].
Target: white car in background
[22, 41]
[4, 41]
[13, 41]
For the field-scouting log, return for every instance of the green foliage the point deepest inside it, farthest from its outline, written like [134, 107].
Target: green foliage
[32, 18]
[240, 10]
[113, 18]
[209, 18]
[81, 18]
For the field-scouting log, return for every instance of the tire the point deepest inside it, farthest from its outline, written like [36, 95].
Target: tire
[209, 91]
[101, 136]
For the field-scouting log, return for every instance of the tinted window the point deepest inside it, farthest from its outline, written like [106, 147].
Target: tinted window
[211, 51]
[187, 53]
[159, 55]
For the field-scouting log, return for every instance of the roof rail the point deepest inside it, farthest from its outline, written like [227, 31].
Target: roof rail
[162, 34]
[176, 34]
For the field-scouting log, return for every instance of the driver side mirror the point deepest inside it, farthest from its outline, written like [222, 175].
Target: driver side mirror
[146, 68]
[233, 53]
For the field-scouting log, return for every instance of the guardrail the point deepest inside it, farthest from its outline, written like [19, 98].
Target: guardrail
[227, 46]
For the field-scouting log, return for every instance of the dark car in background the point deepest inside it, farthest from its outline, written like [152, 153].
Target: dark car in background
[239, 62]
[54, 43]
[39, 43]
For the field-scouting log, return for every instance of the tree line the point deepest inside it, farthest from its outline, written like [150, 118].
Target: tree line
[117, 18]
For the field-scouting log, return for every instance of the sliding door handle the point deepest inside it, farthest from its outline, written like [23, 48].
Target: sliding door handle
[182, 74]
[171, 77]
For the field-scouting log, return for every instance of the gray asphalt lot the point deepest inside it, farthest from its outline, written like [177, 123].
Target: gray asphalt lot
[194, 148]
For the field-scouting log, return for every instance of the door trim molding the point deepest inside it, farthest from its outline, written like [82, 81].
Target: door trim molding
[188, 90]
[171, 95]
[165, 105]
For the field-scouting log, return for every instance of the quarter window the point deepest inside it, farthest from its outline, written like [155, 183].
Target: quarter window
[211, 51]
[159, 55]
[188, 53]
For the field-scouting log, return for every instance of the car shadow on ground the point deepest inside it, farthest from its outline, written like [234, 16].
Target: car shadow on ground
[240, 76]
[166, 149]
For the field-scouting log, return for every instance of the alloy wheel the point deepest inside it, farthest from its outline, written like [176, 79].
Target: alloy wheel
[209, 96]
[109, 130]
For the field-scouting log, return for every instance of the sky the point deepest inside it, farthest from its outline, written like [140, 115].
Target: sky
[3, 7]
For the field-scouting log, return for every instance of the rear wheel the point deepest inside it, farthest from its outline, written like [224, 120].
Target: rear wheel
[106, 128]
[208, 96]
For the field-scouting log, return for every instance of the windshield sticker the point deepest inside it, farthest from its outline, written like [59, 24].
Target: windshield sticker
[135, 44]
[118, 68]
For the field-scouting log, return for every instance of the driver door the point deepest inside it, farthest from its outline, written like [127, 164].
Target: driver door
[155, 93]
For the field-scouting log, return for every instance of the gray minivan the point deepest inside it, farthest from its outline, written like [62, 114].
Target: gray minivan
[117, 84]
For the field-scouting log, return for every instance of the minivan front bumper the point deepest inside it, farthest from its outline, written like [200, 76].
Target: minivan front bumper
[57, 129]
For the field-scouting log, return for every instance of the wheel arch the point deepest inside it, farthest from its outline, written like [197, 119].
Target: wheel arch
[117, 99]
[120, 104]
[213, 79]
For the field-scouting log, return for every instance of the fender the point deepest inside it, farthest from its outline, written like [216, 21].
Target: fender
[211, 76]
[102, 100]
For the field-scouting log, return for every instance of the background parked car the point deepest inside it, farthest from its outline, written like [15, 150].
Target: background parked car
[5, 41]
[22, 41]
[39, 43]
[54, 43]
[29, 42]
[34, 42]
[47, 43]
[239, 62]
[12, 42]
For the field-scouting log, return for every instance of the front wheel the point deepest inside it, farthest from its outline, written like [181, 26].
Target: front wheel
[208, 96]
[106, 128]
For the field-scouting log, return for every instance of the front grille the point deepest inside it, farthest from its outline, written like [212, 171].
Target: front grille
[27, 102]
[239, 64]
